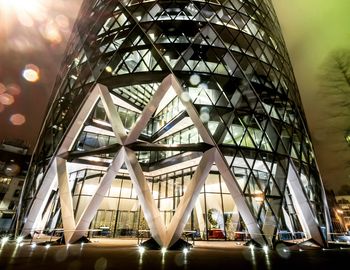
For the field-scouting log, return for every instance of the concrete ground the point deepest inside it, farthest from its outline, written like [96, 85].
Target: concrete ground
[104, 254]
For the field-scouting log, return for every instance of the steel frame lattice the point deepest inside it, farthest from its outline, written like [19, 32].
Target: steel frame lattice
[215, 71]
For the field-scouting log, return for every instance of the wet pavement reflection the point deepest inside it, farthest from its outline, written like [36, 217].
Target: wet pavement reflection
[16, 256]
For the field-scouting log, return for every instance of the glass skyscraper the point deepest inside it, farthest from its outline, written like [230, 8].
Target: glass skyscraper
[172, 117]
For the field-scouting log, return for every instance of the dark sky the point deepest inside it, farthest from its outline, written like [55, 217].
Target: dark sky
[312, 29]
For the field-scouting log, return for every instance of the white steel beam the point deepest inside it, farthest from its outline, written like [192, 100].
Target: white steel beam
[148, 111]
[302, 206]
[192, 112]
[78, 123]
[49, 180]
[117, 162]
[188, 201]
[91, 209]
[239, 199]
[148, 205]
[66, 200]
[36, 210]
[112, 114]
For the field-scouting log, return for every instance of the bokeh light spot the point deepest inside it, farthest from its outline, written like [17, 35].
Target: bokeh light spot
[13, 89]
[283, 251]
[204, 115]
[62, 21]
[2, 88]
[195, 79]
[25, 19]
[185, 97]
[203, 86]
[6, 99]
[101, 264]
[31, 73]
[51, 33]
[61, 255]
[11, 170]
[17, 119]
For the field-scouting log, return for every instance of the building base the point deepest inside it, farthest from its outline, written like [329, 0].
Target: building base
[178, 245]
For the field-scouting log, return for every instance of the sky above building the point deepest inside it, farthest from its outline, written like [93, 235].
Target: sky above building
[313, 29]
[33, 36]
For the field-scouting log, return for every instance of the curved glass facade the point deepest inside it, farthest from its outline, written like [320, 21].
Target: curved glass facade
[232, 90]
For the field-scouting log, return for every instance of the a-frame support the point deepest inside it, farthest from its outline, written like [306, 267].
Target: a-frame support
[164, 236]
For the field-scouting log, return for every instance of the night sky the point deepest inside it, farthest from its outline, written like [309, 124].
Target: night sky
[313, 29]
[33, 38]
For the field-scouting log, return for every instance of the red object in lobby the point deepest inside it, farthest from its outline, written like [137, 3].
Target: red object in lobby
[216, 234]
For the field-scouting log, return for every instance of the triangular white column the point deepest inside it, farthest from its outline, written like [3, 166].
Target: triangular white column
[302, 206]
[188, 201]
[148, 205]
[66, 201]
[92, 207]
[239, 199]
[152, 215]
[50, 177]
[40, 200]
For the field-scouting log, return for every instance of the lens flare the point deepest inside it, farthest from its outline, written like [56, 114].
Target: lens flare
[2, 88]
[19, 239]
[26, 20]
[101, 264]
[203, 86]
[185, 97]
[31, 73]
[26, 12]
[51, 33]
[17, 119]
[62, 21]
[4, 240]
[33, 7]
[195, 79]
[265, 248]
[204, 115]
[141, 249]
[19, 4]
[6, 99]
[13, 89]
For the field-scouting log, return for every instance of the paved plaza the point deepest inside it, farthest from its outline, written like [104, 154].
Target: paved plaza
[124, 254]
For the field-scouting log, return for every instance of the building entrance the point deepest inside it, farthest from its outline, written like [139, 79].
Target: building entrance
[114, 223]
